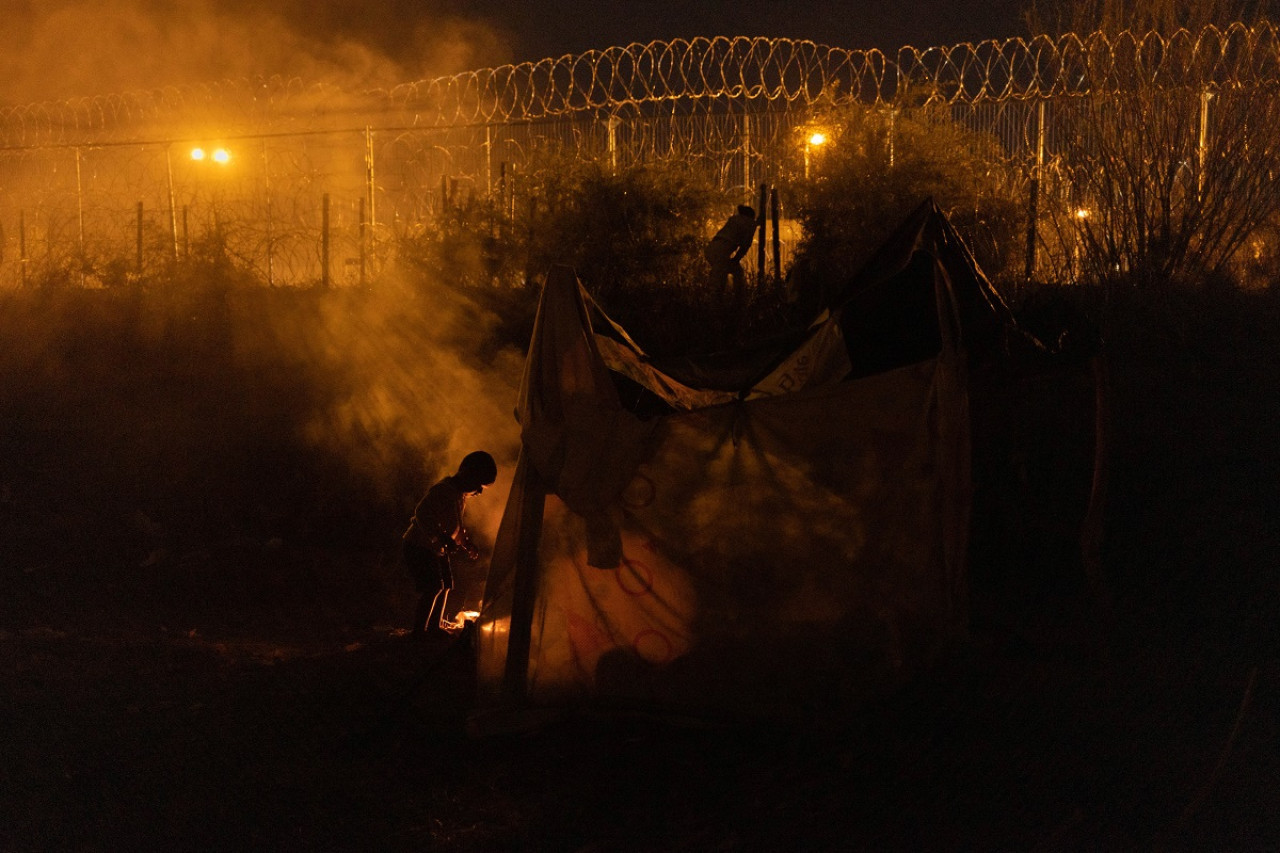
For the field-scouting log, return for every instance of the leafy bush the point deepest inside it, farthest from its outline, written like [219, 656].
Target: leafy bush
[471, 243]
[879, 165]
[628, 231]
[634, 236]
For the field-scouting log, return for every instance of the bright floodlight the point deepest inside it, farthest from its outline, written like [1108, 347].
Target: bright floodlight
[1082, 213]
[221, 155]
[818, 138]
[197, 153]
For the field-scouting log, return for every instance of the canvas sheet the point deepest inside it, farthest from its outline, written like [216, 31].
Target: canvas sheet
[778, 555]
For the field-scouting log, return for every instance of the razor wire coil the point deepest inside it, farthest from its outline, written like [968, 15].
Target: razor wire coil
[85, 177]
[681, 74]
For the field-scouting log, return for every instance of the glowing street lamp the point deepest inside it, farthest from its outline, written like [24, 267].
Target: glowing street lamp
[816, 139]
[221, 156]
[1082, 221]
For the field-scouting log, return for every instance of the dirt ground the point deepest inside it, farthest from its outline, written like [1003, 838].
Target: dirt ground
[240, 682]
[355, 739]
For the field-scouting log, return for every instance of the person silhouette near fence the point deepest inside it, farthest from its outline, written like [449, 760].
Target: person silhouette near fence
[436, 532]
[728, 247]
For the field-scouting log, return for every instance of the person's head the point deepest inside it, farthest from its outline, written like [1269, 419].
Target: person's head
[476, 471]
[746, 210]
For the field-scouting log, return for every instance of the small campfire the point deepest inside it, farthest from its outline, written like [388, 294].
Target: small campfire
[461, 619]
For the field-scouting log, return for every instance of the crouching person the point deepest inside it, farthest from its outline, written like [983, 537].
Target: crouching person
[436, 532]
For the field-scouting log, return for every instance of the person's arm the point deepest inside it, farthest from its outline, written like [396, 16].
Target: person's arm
[461, 538]
[746, 237]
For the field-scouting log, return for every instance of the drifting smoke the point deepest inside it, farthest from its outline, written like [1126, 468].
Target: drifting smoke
[56, 50]
[413, 392]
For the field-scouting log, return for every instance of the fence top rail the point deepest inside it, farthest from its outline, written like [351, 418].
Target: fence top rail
[681, 74]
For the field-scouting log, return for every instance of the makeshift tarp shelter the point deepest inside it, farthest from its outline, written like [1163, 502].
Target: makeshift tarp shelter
[736, 549]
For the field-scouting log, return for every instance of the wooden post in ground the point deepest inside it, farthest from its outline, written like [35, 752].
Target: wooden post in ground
[1092, 528]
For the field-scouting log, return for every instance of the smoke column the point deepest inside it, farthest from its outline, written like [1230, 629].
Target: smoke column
[75, 48]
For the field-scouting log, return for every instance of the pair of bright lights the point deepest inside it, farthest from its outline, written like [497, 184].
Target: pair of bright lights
[217, 155]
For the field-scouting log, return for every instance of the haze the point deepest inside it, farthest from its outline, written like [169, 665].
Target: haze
[73, 48]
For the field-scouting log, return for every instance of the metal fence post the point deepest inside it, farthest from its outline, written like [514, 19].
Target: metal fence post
[139, 239]
[777, 236]
[762, 213]
[324, 240]
[173, 213]
[22, 245]
[611, 126]
[893, 119]
[1033, 207]
[364, 228]
[488, 160]
[266, 178]
[1202, 143]
[502, 185]
[370, 176]
[79, 207]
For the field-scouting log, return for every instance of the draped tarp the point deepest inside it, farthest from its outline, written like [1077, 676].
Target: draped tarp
[573, 428]
[577, 442]
[884, 317]
[780, 553]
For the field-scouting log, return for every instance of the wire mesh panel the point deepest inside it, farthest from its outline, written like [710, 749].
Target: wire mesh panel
[318, 181]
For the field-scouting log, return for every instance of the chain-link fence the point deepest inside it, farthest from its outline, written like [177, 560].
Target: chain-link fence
[316, 183]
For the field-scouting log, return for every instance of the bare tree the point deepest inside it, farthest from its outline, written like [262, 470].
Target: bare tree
[1113, 17]
[1172, 158]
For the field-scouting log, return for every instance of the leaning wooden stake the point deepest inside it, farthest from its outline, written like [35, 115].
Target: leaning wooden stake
[1091, 531]
[1220, 765]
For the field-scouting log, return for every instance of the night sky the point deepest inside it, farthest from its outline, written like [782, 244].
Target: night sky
[68, 48]
[572, 26]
